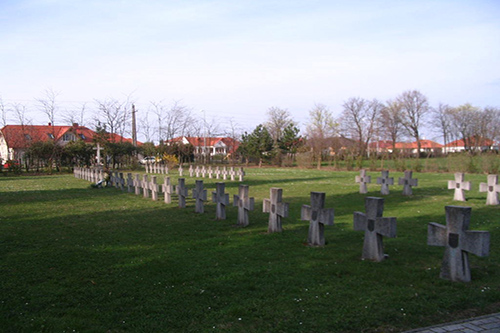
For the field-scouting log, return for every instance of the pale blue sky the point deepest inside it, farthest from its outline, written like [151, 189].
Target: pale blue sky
[239, 58]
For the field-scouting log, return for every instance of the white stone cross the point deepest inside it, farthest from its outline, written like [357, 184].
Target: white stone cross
[244, 204]
[232, 173]
[217, 173]
[276, 208]
[181, 170]
[224, 173]
[182, 192]
[385, 181]
[459, 185]
[363, 179]
[191, 170]
[458, 242]
[408, 182]
[241, 174]
[317, 216]
[210, 172]
[492, 188]
[197, 171]
[167, 190]
[153, 187]
[221, 199]
[375, 227]
[200, 195]
[203, 171]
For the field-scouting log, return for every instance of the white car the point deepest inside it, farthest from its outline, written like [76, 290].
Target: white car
[148, 160]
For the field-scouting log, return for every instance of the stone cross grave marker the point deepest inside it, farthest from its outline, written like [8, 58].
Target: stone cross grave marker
[167, 190]
[363, 179]
[317, 216]
[153, 187]
[408, 182]
[137, 184]
[191, 170]
[241, 174]
[276, 208]
[203, 171]
[217, 173]
[385, 181]
[130, 183]
[121, 182]
[182, 192]
[458, 242]
[145, 186]
[197, 171]
[181, 170]
[224, 173]
[210, 172]
[244, 204]
[492, 188]
[200, 195]
[232, 173]
[375, 227]
[459, 185]
[221, 199]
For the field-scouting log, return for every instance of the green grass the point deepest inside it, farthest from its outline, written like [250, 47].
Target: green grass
[77, 259]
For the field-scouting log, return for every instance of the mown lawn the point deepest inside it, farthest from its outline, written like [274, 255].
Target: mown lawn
[78, 259]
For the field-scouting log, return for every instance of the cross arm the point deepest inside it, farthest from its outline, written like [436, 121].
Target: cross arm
[436, 234]
[477, 242]
[306, 213]
[360, 221]
[326, 216]
[386, 226]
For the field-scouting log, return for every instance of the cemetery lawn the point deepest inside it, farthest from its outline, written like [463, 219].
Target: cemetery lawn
[78, 259]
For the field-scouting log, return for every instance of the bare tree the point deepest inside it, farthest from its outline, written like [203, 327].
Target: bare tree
[20, 112]
[278, 120]
[146, 128]
[464, 123]
[359, 119]
[179, 121]
[320, 130]
[442, 116]
[491, 117]
[3, 112]
[75, 115]
[390, 121]
[48, 105]
[111, 113]
[415, 108]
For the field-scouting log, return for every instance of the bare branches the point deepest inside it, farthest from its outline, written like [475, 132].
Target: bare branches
[414, 110]
[48, 105]
[278, 120]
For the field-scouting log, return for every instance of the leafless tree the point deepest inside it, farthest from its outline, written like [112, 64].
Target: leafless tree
[442, 120]
[465, 123]
[390, 121]
[178, 121]
[75, 115]
[20, 112]
[491, 118]
[278, 120]
[145, 127]
[48, 105]
[415, 108]
[3, 111]
[359, 119]
[320, 130]
[113, 114]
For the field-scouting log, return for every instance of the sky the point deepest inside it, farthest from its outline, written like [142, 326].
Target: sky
[235, 59]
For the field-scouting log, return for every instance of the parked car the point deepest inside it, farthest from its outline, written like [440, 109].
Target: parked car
[12, 163]
[148, 160]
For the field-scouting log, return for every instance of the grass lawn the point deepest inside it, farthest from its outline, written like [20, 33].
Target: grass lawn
[78, 259]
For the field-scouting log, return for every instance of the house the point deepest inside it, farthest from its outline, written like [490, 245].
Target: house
[208, 146]
[16, 139]
[470, 144]
[426, 146]
[381, 146]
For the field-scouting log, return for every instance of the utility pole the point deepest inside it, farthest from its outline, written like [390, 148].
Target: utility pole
[134, 128]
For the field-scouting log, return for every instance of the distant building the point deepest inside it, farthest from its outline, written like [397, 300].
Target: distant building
[208, 146]
[16, 139]
[471, 144]
[386, 146]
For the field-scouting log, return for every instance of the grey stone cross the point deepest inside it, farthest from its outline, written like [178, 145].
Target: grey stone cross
[276, 208]
[145, 186]
[385, 181]
[244, 204]
[137, 184]
[182, 192]
[167, 189]
[363, 179]
[458, 242]
[221, 199]
[375, 227]
[459, 185]
[317, 216]
[200, 195]
[121, 181]
[408, 182]
[153, 187]
[492, 188]
[130, 183]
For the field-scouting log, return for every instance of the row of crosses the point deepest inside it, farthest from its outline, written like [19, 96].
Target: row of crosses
[219, 173]
[407, 181]
[454, 236]
[491, 187]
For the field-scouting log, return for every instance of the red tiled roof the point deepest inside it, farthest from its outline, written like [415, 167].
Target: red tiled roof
[382, 144]
[482, 142]
[198, 141]
[424, 144]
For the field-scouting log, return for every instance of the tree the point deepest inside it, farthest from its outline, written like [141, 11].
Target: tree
[359, 119]
[113, 114]
[443, 120]
[257, 144]
[278, 120]
[415, 107]
[320, 129]
[48, 105]
[79, 153]
[75, 115]
[464, 123]
[291, 140]
[3, 113]
[390, 121]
